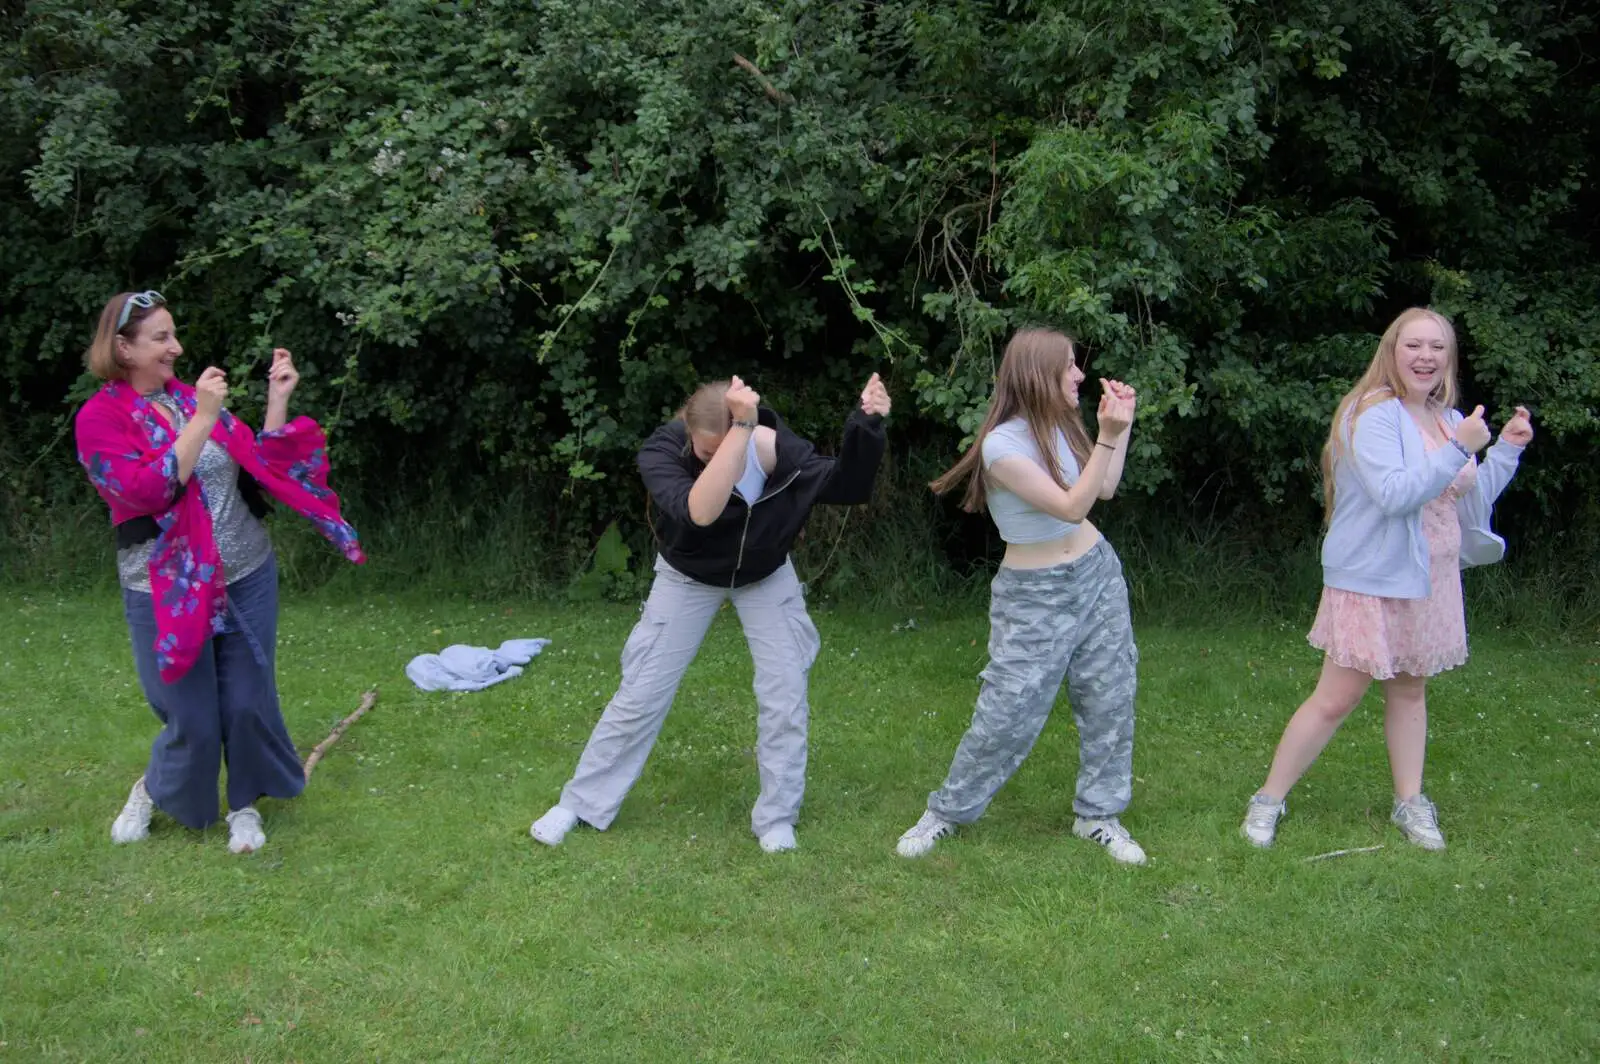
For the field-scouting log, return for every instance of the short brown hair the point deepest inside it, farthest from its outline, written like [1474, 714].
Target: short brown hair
[101, 357]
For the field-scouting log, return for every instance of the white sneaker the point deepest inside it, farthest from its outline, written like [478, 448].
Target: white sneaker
[779, 839]
[133, 823]
[923, 835]
[551, 828]
[1418, 821]
[1113, 836]
[244, 831]
[1261, 818]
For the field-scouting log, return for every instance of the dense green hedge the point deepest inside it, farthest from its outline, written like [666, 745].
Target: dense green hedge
[504, 238]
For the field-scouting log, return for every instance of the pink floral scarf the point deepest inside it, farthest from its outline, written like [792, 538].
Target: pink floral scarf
[127, 449]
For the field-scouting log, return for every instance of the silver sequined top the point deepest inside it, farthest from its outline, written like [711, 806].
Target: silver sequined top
[241, 536]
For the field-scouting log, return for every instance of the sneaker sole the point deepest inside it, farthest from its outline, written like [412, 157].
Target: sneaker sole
[1245, 835]
[1423, 844]
[1129, 861]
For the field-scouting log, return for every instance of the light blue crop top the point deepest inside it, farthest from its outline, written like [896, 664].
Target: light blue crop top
[1017, 520]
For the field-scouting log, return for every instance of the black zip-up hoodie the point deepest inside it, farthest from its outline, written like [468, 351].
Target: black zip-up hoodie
[751, 541]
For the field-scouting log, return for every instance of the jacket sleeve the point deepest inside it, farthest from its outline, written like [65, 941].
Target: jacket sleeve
[124, 468]
[1496, 468]
[1378, 459]
[661, 467]
[855, 470]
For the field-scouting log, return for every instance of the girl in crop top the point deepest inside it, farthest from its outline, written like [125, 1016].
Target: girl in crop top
[1058, 608]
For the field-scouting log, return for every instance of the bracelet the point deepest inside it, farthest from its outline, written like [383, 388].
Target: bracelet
[1102, 443]
[745, 424]
[1457, 444]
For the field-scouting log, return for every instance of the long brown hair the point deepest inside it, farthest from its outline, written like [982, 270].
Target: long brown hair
[1028, 385]
[101, 357]
[1382, 381]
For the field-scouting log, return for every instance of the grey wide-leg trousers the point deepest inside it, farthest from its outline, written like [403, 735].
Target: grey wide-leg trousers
[783, 643]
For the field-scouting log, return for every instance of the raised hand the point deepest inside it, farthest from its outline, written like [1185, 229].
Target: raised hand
[742, 401]
[211, 392]
[1115, 415]
[1473, 433]
[282, 376]
[1519, 430]
[1120, 390]
[875, 398]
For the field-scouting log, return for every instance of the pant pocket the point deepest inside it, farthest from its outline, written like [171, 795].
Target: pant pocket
[642, 642]
[807, 641]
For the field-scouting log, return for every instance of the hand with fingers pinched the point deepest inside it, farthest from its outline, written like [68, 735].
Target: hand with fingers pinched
[282, 376]
[742, 401]
[875, 397]
[1120, 390]
[1519, 430]
[1115, 416]
[210, 393]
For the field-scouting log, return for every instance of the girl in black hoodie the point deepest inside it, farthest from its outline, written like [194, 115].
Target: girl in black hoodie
[733, 487]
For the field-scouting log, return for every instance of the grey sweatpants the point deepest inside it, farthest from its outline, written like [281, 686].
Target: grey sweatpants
[783, 643]
[1068, 621]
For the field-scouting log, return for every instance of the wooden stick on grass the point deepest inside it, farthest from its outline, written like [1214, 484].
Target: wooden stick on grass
[1343, 853]
[321, 748]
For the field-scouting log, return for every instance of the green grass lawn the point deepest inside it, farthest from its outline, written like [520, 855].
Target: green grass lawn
[400, 912]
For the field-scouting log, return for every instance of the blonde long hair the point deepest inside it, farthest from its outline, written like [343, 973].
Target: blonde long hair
[1028, 385]
[1381, 382]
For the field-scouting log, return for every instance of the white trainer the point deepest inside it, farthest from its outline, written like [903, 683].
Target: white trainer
[551, 828]
[1418, 821]
[779, 839]
[244, 831]
[1261, 818]
[1113, 836]
[923, 835]
[133, 823]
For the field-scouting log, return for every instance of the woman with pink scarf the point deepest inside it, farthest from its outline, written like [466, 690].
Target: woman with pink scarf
[188, 485]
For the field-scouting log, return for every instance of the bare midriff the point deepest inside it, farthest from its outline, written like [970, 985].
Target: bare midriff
[1043, 555]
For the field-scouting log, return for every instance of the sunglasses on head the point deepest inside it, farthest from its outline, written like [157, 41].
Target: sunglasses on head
[145, 300]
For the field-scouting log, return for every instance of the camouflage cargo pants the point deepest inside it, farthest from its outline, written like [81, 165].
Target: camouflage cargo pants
[1068, 622]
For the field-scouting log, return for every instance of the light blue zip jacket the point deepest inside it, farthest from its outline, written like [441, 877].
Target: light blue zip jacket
[1375, 544]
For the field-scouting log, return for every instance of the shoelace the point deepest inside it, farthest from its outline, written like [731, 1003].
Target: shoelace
[1261, 815]
[1423, 814]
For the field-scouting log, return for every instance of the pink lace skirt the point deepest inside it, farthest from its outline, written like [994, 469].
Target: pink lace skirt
[1384, 637]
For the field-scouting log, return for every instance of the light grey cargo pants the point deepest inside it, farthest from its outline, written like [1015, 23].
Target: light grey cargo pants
[783, 643]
